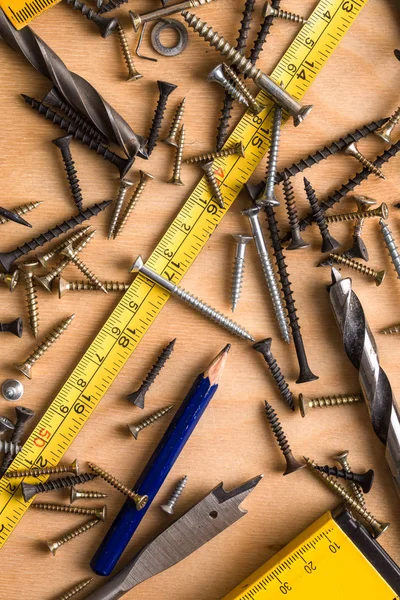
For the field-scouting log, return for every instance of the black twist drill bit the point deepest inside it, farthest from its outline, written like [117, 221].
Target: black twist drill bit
[364, 480]
[106, 7]
[29, 490]
[328, 242]
[13, 216]
[165, 90]
[8, 258]
[123, 164]
[264, 347]
[292, 464]
[23, 415]
[241, 43]
[63, 143]
[137, 397]
[262, 34]
[106, 26]
[15, 327]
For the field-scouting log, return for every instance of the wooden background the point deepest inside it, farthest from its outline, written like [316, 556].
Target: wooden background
[233, 441]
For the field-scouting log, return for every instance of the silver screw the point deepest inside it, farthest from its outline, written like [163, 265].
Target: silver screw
[269, 11]
[176, 175]
[199, 305]
[172, 138]
[170, 505]
[238, 267]
[212, 182]
[252, 214]
[267, 196]
[385, 132]
[136, 429]
[391, 246]
[341, 459]
[12, 389]
[254, 106]
[352, 150]
[218, 75]
[123, 189]
[53, 546]
[9, 447]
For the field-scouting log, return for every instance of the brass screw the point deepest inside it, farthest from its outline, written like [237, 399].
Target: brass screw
[72, 468]
[254, 106]
[381, 211]
[207, 156]
[28, 268]
[44, 258]
[74, 590]
[99, 513]
[341, 459]
[72, 255]
[352, 150]
[136, 429]
[65, 286]
[377, 527]
[53, 546]
[144, 178]
[48, 341]
[269, 11]
[379, 276]
[172, 138]
[176, 175]
[10, 279]
[84, 495]
[385, 132]
[133, 73]
[124, 186]
[342, 400]
[21, 210]
[391, 330]
[140, 501]
[212, 182]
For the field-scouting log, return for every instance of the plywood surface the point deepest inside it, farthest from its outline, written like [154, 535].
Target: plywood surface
[233, 442]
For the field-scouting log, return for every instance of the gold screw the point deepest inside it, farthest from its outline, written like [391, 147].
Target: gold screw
[269, 11]
[28, 268]
[71, 239]
[136, 429]
[70, 253]
[140, 501]
[99, 513]
[124, 186]
[254, 106]
[207, 156]
[53, 546]
[342, 400]
[144, 177]
[65, 286]
[74, 590]
[391, 330]
[381, 211]
[10, 279]
[21, 210]
[72, 468]
[385, 132]
[172, 139]
[377, 527]
[212, 182]
[48, 341]
[352, 150]
[341, 459]
[133, 73]
[176, 175]
[379, 276]
[84, 495]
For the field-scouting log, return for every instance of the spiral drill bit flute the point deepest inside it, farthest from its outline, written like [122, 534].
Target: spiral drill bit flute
[360, 348]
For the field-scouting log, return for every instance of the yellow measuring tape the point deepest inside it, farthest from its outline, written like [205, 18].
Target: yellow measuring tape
[22, 12]
[172, 257]
[321, 563]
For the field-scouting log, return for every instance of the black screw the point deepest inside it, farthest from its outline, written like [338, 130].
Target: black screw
[106, 26]
[364, 480]
[137, 397]
[106, 7]
[264, 347]
[262, 34]
[165, 90]
[22, 417]
[7, 258]
[328, 242]
[296, 239]
[29, 490]
[15, 327]
[6, 426]
[292, 464]
[64, 144]
[123, 164]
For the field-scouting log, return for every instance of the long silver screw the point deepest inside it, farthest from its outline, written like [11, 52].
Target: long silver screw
[144, 178]
[176, 175]
[170, 505]
[212, 182]
[172, 138]
[391, 246]
[71, 239]
[53, 546]
[199, 305]
[218, 75]
[238, 267]
[71, 253]
[123, 189]
[352, 150]
[252, 214]
[254, 106]
[341, 459]
[136, 429]
[267, 196]
[269, 11]
[385, 132]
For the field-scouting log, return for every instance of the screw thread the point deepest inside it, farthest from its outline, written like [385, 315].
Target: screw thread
[106, 7]
[353, 151]
[243, 89]
[133, 72]
[64, 262]
[87, 272]
[48, 341]
[77, 510]
[264, 347]
[268, 194]
[176, 494]
[391, 246]
[237, 281]
[21, 210]
[213, 183]
[176, 122]
[290, 201]
[262, 34]
[385, 131]
[135, 429]
[73, 182]
[339, 473]
[288, 16]
[352, 264]
[140, 501]
[176, 175]
[85, 495]
[53, 546]
[105, 25]
[61, 483]
[32, 302]
[23, 416]
[339, 400]
[122, 192]
[355, 488]
[71, 239]
[355, 216]
[391, 330]
[73, 468]
[275, 295]
[157, 122]
[277, 429]
[207, 156]
[75, 590]
[11, 448]
[130, 206]
[318, 215]
[234, 92]
[110, 286]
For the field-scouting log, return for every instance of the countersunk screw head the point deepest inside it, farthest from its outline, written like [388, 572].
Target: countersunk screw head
[341, 456]
[63, 142]
[380, 276]
[242, 239]
[6, 426]
[217, 74]
[264, 346]
[12, 390]
[166, 88]
[303, 405]
[23, 414]
[362, 201]
[137, 265]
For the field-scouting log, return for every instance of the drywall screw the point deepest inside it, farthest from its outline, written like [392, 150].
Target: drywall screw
[269, 11]
[170, 504]
[172, 138]
[80, 286]
[53, 546]
[391, 330]
[75, 590]
[12, 390]
[378, 276]
[243, 65]
[207, 156]
[123, 164]
[377, 527]
[6, 427]
[176, 175]
[352, 150]
[29, 490]
[27, 268]
[99, 513]
[140, 501]
[341, 400]
[328, 242]
[213, 182]
[254, 106]
[364, 480]
[76, 236]
[133, 73]
[391, 246]
[218, 75]
[23, 415]
[165, 90]
[9, 447]
[296, 241]
[165, 11]
[138, 396]
[139, 267]
[106, 26]
[72, 255]
[21, 210]
[238, 267]
[136, 429]
[72, 468]
[124, 186]
[252, 214]
[14, 327]
[262, 35]
[342, 459]
[264, 347]
[8, 258]
[47, 280]
[381, 211]
[292, 464]
[10, 279]
[267, 196]
[84, 495]
[64, 143]
[385, 131]
[106, 7]
[144, 178]
[42, 348]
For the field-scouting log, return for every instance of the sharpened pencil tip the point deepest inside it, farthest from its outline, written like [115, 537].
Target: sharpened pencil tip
[215, 369]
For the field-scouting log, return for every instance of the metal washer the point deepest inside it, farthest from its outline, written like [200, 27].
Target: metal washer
[169, 24]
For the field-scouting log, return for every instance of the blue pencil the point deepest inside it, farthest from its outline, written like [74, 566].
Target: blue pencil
[159, 465]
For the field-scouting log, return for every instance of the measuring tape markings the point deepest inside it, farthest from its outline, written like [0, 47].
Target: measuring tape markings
[21, 13]
[173, 256]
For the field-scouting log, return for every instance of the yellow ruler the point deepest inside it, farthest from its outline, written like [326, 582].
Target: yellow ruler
[325, 563]
[172, 257]
[22, 12]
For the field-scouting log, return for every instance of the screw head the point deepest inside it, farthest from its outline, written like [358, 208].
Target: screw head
[137, 265]
[341, 456]
[134, 431]
[63, 142]
[242, 239]
[74, 467]
[293, 465]
[385, 210]
[263, 346]
[363, 201]
[380, 277]
[52, 547]
[217, 74]
[102, 513]
[240, 149]
[144, 176]
[166, 88]
[12, 390]
[62, 286]
[297, 241]
[24, 414]
[136, 20]
[167, 508]
[6, 426]
[13, 280]
[44, 281]
[358, 249]
[267, 10]
[24, 369]
[329, 244]
[302, 114]
[28, 491]
[74, 495]
[141, 502]
[303, 405]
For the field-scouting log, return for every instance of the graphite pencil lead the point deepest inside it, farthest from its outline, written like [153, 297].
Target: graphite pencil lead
[215, 369]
